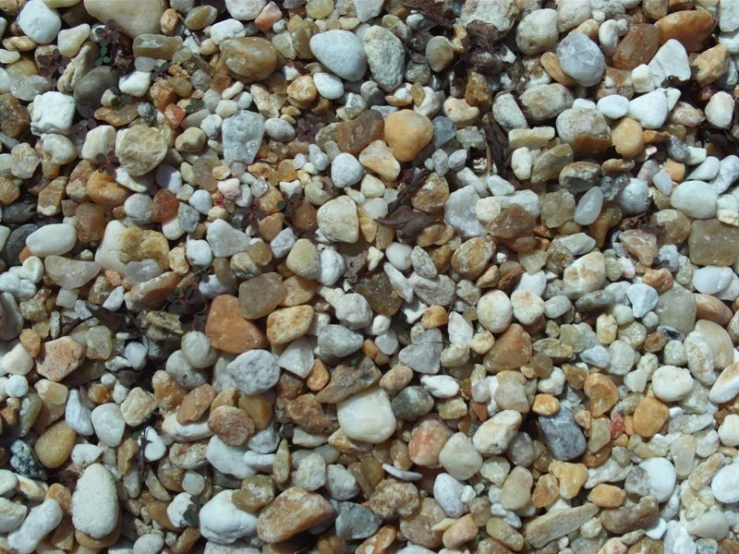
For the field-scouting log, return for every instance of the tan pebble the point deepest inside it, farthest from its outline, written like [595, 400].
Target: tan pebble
[138, 406]
[545, 404]
[516, 491]
[55, 445]
[292, 512]
[571, 477]
[546, 491]
[258, 409]
[380, 542]
[433, 317]
[628, 138]
[227, 329]
[427, 439]
[601, 391]
[288, 324]
[461, 531]
[689, 27]
[196, 403]
[607, 496]
[407, 133]
[59, 358]
[649, 417]
[396, 379]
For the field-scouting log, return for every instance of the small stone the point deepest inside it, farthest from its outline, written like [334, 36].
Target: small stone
[726, 386]
[367, 416]
[288, 324]
[59, 358]
[255, 371]
[689, 27]
[223, 523]
[407, 133]
[228, 330]
[581, 59]
[242, 135]
[562, 435]
[650, 416]
[342, 52]
[39, 22]
[428, 437]
[586, 274]
[253, 58]
[232, 425]
[55, 445]
[385, 56]
[292, 512]
[671, 383]
[392, 498]
[557, 523]
[338, 220]
[133, 21]
[495, 434]
[50, 240]
[140, 149]
[95, 508]
[624, 520]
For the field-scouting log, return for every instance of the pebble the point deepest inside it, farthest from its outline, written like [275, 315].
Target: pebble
[222, 523]
[52, 240]
[720, 109]
[341, 52]
[39, 22]
[385, 57]
[346, 170]
[650, 109]
[695, 199]
[254, 372]
[671, 383]
[108, 423]
[41, 521]
[95, 502]
[725, 484]
[562, 435]
[581, 59]
[367, 416]
[292, 512]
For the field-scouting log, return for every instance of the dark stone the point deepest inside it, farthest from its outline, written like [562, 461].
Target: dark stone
[562, 435]
[89, 90]
[24, 462]
[412, 403]
[11, 320]
[20, 211]
[380, 294]
[17, 242]
[355, 522]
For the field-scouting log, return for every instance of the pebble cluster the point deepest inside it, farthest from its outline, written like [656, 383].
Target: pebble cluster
[369, 276]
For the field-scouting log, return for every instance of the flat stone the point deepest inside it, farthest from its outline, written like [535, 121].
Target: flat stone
[292, 512]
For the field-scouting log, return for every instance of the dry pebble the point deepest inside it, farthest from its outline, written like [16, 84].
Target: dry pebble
[369, 276]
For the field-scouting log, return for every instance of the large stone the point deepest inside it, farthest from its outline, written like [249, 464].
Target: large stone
[242, 135]
[128, 15]
[292, 512]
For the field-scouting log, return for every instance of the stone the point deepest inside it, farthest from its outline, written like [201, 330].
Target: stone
[245, 10]
[638, 46]
[495, 434]
[289, 324]
[95, 509]
[407, 133]
[222, 523]
[41, 521]
[459, 457]
[242, 135]
[428, 437]
[53, 112]
[726, 386]
[586, 274]
[581, 59]
[253, 58]
[537, 32]
[292, 512]
[59, 358]
[132, 20]
[347, 380]
[140, 149]
[12, 515]
[631, 518]
[385, 57]
[562, 435]
[650, 416]
[341, 52]
[671, 383]
[338, 220]
[689, 27]
[367, 416]
[695, 199]
[39, 22]
[55, 445]
[557, 523]
[254, 371]
[53, 239]
[510, 351]
[346, 170]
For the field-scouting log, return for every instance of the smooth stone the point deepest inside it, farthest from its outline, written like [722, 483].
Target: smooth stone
[95, 508]
[367, 416]
[342, 52]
